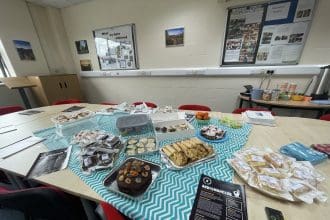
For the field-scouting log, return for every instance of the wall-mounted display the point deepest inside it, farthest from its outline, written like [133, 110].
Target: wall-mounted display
[174, 37]
[116, 47]
[267, 34]
[86, 65]
[82, 46]
[24, 50]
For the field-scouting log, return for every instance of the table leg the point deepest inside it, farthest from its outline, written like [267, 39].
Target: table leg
[241, 103]
[24, 98]
[319, 113]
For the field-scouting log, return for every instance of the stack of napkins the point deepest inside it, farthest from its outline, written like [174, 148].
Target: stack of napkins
[259, 117]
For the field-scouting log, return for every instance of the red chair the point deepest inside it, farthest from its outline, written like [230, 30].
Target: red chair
[68, 101]
[149, 104]
[325, 117]
[240, 110]
[10, 109]
[194, 107]
[108, 103]
[42, 203]
[110, 212]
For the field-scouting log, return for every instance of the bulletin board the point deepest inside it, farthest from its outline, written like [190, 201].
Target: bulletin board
[272, 33]
[116, 47]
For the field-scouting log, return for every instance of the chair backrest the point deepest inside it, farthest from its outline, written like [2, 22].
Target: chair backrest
[240, 110]
[68, 101]
[110, 212]
[194, 107]
[10, 109]
[325, 117]
[149, 104]
[48, 203]
[108, 103]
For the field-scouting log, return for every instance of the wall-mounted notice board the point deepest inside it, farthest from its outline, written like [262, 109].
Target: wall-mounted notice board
[271, 33]
[116, 47]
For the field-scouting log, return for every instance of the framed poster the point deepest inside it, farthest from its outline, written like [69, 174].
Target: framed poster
[116, 47]
[24, 50]
[174, 37]
[82, 46]
[244, 25]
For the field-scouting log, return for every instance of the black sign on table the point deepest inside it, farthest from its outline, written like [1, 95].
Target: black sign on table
[220, 200]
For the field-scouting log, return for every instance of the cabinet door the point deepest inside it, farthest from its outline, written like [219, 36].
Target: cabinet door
[54, 88]
[71, 87]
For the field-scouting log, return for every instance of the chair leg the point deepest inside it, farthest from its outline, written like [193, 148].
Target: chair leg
[89, 209]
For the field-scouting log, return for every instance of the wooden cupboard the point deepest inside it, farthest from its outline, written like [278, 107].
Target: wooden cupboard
[50, 88]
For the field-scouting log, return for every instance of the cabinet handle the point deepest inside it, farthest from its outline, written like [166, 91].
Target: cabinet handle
[65, 85]
[60, 85]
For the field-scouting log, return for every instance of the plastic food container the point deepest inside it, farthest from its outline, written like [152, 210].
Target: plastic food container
[176, 129]
[72, 128]
[133, 124]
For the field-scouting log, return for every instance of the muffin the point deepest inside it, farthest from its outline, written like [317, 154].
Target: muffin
[134, 177]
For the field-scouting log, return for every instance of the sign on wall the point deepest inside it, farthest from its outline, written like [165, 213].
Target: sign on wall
[116, 47]
[281, 33]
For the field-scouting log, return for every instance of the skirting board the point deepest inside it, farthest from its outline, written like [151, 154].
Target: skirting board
[209, 71]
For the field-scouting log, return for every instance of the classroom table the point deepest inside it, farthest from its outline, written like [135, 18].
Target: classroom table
[286, 104]
[288, 129]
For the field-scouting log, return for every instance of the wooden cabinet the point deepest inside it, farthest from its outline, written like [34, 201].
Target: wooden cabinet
[52, 88]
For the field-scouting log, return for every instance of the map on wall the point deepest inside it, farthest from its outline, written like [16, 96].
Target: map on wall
[115, 47]
[267, 34]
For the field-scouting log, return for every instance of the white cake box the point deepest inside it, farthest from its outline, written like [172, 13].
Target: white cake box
[175, 135]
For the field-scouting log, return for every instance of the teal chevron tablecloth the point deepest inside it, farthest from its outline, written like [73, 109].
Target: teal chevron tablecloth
[172, 195]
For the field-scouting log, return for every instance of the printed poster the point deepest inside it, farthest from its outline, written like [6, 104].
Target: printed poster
[242, 35]
[304, 10]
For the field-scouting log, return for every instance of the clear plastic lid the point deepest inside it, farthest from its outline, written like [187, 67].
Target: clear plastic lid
[132, 121]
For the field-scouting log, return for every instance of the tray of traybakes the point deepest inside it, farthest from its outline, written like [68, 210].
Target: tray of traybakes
[98, 149]
[186, 153]
[69, 117]
[135, 146]
[278, 176]
[133, 178]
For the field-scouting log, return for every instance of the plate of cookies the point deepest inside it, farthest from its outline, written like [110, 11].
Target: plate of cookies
[133, 178]
[186, 153]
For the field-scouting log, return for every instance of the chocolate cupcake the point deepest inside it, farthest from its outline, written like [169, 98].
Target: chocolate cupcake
[134, 177]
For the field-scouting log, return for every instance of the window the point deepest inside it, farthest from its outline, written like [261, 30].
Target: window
[3, 68]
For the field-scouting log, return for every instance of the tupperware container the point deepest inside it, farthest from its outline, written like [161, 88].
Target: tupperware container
[133, 124]
[72, 128]
[176, 133]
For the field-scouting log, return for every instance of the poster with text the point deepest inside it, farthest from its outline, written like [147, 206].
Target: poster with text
[242, 34]
[116, 47]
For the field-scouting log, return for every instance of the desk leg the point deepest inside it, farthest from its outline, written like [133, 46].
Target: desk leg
[24, 98]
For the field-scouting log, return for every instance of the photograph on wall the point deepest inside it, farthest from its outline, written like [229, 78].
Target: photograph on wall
[174, 37]
[82, 47]
[24, 50]
[86, 65]
[116, 48]
[242, 34]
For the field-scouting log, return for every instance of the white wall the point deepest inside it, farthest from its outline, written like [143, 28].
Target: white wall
[16, 24]
[204, 23]
[49, 26]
